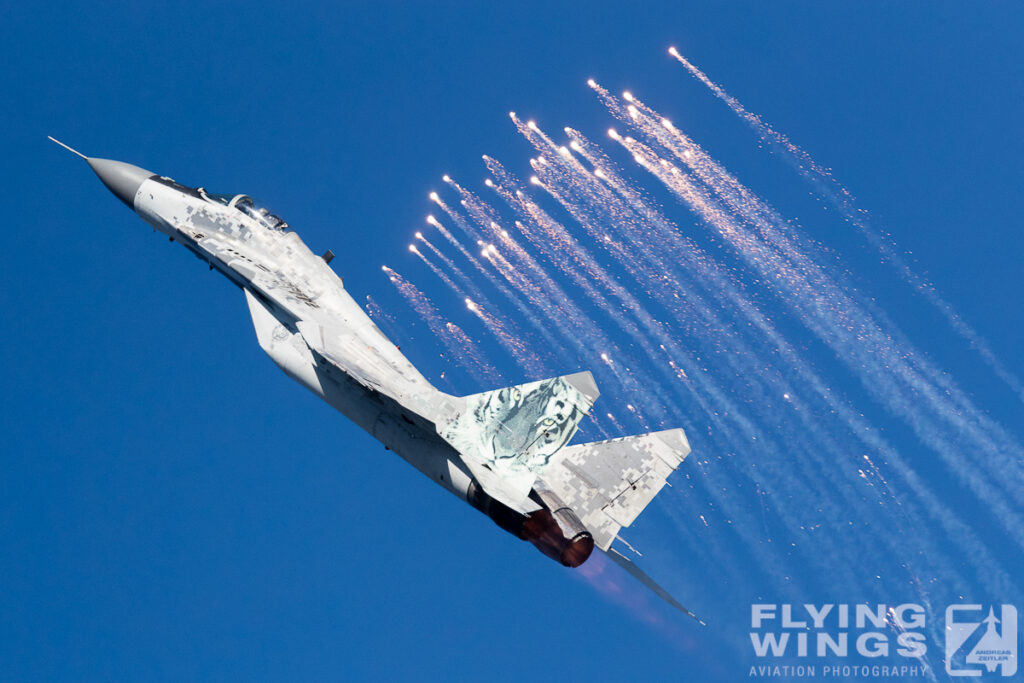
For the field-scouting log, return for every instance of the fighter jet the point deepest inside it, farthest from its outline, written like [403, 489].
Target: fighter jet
[505, 452]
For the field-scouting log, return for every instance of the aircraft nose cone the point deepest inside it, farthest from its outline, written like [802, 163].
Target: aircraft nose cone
[120, 178]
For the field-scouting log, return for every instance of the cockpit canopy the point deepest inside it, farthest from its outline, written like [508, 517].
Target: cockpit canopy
[240, 202]
[246, 204]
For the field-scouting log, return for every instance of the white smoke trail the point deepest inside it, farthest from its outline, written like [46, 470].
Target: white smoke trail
[885, 362]
[561, 249]
[781, 431]
[518, 200]
[934, 507]
[383, 320]
[520, 350]
[652, 388]
[938, 511]
[746, 426]
[476, 358]
[524, 310]
[577, 331]
[765, 219]
[841, 199]
[444, 259]
[468, 285]
[542, 291]
[461, 349]
[438, 272]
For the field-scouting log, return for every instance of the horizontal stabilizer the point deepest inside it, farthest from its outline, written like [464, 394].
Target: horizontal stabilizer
[609, 483]
[638, 574]
[514, 432]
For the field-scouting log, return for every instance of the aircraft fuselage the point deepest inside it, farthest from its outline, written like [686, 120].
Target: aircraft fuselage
[291, 293]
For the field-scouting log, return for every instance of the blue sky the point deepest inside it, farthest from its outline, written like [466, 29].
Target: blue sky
[175, 507]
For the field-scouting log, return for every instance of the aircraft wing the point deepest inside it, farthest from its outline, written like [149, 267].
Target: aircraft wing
[337, 346]
[609, 483]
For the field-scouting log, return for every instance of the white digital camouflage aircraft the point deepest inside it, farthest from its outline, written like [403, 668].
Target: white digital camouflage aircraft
[505, 452]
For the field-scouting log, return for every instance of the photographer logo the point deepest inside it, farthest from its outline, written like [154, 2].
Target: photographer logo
[976, 643]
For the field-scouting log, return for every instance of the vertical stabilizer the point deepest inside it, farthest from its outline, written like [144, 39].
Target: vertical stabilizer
[515, 431]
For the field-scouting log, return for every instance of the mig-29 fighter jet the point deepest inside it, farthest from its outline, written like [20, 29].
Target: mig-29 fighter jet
[505, 452]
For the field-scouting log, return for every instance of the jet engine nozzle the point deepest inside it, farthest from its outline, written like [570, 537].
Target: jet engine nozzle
[554, 529]
[545, 530]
